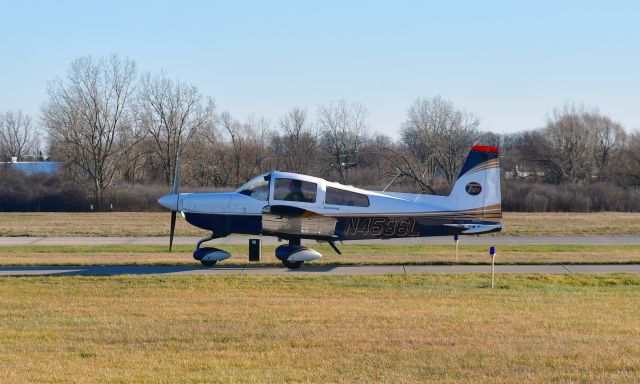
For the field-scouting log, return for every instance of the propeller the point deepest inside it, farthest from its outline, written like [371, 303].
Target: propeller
[173, 228]
[176, 181]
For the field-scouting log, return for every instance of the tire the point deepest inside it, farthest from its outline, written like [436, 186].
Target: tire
[292, 264]
[208, 263]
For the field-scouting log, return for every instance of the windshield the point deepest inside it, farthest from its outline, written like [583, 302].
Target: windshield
[258, 187]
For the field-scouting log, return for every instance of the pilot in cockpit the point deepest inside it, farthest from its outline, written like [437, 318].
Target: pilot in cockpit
[295, 192]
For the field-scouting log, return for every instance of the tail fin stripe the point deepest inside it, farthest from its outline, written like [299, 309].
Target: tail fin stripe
[476, 158]
[482, 166]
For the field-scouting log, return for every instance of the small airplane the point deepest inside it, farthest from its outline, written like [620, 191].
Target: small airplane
[292, 207]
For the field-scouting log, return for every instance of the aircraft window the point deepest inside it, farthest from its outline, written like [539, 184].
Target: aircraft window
[295, 190]
[258, 188]
[341, 197]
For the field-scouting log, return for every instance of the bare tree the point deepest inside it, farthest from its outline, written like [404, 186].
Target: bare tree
[569, 140]
[408, 167]
[576, 145]
[173, 113]
[135, 162]
[561, 149]
[532, 154]
[212, 162]
[248, 140]
[439, 135]
[608, 139]
[89, 120]
[17, 136]
[297, 144]
[631, 165]
[343, 128]
[238, 140]
[373, 165]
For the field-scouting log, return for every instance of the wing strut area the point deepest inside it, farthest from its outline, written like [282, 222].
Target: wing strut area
[333, 245]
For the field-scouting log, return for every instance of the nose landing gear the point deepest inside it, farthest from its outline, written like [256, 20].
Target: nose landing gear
[209, 256]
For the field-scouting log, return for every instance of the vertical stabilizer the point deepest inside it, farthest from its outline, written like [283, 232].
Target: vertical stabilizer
[477, 189]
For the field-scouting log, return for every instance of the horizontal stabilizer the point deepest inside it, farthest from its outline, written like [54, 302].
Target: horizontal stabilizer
[470, 229]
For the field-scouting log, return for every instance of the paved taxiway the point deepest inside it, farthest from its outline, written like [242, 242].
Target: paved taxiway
[112, 270]
[318, 270]
[488, 240]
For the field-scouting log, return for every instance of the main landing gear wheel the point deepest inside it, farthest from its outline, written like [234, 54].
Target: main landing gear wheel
[292, 264]
[294, 254]
[208, 263]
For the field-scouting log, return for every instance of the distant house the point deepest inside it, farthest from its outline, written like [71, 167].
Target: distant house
[33, 167]
[523, 174]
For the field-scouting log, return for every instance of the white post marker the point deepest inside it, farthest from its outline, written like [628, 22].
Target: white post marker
[492, 252]
[455, 238]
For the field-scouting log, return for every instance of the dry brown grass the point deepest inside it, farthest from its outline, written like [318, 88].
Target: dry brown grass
[100, 224]
[157, 224]
[395, 329]
[572, 224]
[352, 254]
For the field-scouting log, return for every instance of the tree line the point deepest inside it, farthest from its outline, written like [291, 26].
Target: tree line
[117, 130]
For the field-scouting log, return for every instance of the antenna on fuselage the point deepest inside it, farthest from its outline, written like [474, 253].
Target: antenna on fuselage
[394, 179]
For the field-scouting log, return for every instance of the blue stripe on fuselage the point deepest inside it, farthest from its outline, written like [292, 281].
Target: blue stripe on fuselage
[347, 228]
[225, 224]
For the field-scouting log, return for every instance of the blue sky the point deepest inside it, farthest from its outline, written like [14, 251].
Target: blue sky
[508, 62]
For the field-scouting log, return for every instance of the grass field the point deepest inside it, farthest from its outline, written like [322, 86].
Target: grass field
[394, 329]
[157, 224]
[352, 254]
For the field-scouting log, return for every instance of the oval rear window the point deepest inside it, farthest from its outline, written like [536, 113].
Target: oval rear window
[473, 188]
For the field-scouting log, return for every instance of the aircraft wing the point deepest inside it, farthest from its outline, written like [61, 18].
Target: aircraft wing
[290, 220]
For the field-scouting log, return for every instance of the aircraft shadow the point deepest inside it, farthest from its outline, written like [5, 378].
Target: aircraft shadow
[140, 270]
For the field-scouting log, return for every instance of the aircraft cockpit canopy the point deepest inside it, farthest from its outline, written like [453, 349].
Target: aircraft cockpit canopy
[288, 189]
[293, 189]
[258, 187]
[285, 189]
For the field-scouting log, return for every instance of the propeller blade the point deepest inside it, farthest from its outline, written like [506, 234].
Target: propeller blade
[176, 182]
[173, 228]
[176, 177]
